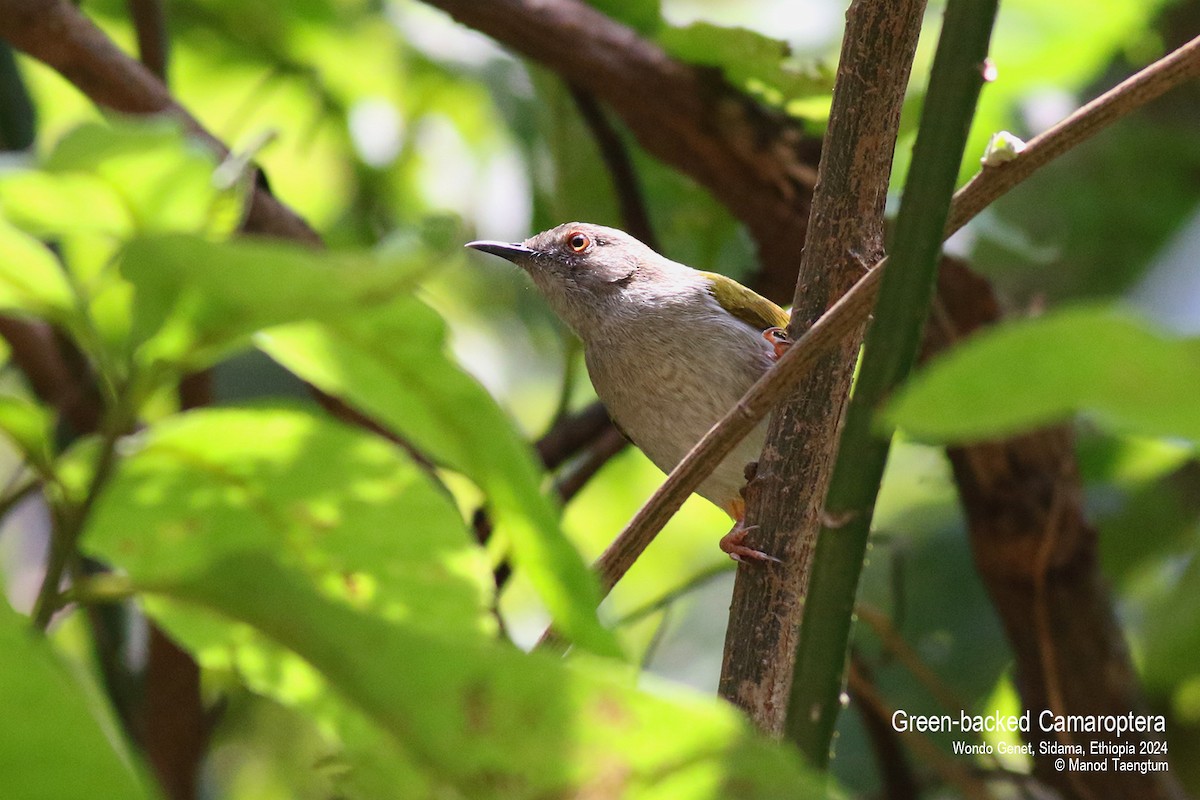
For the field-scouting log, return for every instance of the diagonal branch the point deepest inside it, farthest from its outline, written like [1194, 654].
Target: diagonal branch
[150, 23]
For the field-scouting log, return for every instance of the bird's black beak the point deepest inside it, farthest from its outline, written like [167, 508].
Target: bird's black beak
[511, 251]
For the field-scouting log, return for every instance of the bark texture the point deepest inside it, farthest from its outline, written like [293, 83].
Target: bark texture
[845, 237]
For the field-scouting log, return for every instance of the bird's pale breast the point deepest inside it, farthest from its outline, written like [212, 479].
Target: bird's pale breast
[666, 378]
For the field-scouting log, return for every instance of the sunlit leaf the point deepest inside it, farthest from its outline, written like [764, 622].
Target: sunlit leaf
[495, 722]
[162, 176]
[749, 60]
[390, 363]
[363, 760]
[56, 744]
[1036, 372]
[196, 300]
[31, 279]
[31, 427]
[54, 205]
[346, 507]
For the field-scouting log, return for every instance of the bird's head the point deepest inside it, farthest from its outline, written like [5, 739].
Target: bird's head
[589, 273]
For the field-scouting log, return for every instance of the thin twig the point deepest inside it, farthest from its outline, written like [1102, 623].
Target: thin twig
[951, 771]
[571, 434]
[895, 644]
[35, 349]
[150, 23]
[693, 583]
[898, 782]
[69, 523]
[843, 318]
[13, 497]
[1129, 95]
[597, 455]
[635, 216]
[105, 587]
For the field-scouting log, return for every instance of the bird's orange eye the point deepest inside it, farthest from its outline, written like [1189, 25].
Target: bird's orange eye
[578, 241]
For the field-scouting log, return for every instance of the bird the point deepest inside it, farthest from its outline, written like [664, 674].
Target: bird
[669, 349]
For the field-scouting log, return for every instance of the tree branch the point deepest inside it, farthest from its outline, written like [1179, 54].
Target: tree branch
[952, 772]
[635, 216]
[785, 498]
[571, 434]
[1172, 70]
[891, 347]
[150, 24]
[35, 350]
[18, 119]
[17, 19]
[175, 736]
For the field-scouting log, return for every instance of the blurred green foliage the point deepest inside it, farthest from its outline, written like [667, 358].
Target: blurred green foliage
[1041, 371]
[329, 584]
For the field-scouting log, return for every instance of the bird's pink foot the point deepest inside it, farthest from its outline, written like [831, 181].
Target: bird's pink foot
[778, 339]
[733, 543]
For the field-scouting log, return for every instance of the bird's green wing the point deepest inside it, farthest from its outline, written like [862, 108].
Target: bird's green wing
[748, 306]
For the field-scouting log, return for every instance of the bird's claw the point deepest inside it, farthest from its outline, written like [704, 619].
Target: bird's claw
[733, 543]
[778, 339]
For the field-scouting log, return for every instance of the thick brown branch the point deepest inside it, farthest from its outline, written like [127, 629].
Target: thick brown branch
[175, 723]
[35, 350]
[177, 726]
[845, 238]
[571, 434]
[756, 162]
[58, 34]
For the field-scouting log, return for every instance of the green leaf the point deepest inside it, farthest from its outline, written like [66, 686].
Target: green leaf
[390, 363]
[365, 761]
[753, 62]
[1036, 372]
[197, 300]
[162, 176]
[644, 16]
[1171, 629]
[31, 279]
[31, 428]
[347, 508]
[57, 744]
[497, 723]
[51, 205]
